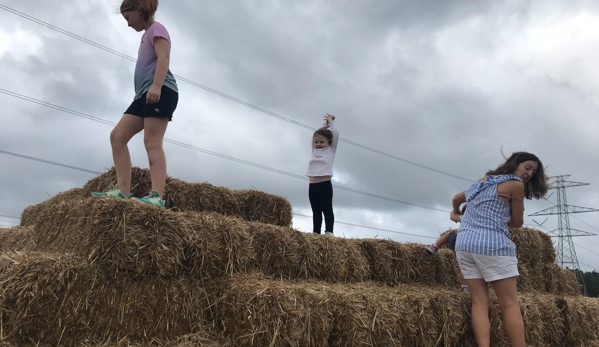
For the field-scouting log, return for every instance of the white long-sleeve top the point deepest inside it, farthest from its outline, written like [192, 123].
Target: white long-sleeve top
[321, 162]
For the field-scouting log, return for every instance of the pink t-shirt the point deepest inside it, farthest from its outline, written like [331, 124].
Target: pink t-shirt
[147, 59]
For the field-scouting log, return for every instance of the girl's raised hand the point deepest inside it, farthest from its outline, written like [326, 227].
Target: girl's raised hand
[329, 118]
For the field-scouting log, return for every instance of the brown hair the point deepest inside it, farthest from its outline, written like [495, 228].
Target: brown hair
[326, 133]
[147, 8]
[537, 186]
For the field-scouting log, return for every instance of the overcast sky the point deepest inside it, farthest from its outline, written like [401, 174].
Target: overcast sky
[444, 84]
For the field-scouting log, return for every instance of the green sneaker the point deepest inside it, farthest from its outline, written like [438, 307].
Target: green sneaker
[152, 199]
[113, 193]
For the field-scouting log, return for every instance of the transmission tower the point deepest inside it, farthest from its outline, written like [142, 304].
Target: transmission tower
[566, 253]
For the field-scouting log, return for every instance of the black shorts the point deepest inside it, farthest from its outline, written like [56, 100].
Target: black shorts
[165, 107]
[452, 237]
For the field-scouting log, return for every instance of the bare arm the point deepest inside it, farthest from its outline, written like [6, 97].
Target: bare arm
[456, 202]
[517, 204]
[161, 47]
[330, 122]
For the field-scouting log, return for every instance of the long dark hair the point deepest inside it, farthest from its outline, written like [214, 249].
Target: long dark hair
[537, 186]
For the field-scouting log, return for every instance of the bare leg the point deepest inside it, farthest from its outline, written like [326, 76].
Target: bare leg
[154, 129]
[507, 295]
[127, 127]
[443, 239]
[479, 292]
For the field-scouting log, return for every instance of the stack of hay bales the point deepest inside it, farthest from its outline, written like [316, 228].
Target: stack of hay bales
[224, 268]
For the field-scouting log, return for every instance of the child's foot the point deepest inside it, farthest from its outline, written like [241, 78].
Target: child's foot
[152, 199]
[113, 193]
[465, 289]
[432, 248]
[328, 233]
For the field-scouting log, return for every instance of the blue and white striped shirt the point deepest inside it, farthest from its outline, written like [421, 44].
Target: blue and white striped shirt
[483, 229]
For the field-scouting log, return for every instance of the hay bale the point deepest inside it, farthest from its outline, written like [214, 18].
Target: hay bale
[371, 314]
[30, 213]
[529, 246]
[119, 234]
[216, 245]
[560, 281]
[61, 300]
[393, 263]
[201, 339]
[282, 252]
[581, 319]
[181, 196]
[122, 235]
[258, 206]
[178, 195]
[254, 311]
[335, 259]
[543, 323]
[16, 239]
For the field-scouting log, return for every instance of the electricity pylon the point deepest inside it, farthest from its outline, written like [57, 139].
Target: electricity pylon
[566, 253]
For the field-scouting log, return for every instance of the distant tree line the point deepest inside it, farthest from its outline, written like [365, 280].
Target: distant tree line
[591, 281]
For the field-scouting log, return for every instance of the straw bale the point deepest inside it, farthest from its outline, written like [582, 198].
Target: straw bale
[393, 263]
[200, 339]
[215, 245]
[61, 300]
[547, 248]
[282, 252]
[253, 311]
[335, 259]
[15, 239]
[543, 323]
[129, 236]
[258, 206]
[560, 281]
[120, 234]
[373, 314]
[581, 319]
[181, 196]
[30, 214]
[178, 195]
[528, 246]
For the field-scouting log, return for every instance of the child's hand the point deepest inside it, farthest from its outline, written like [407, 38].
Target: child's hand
[454, 216]
[153, 95]
[329, 118]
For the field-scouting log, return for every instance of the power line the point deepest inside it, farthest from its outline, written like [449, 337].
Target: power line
[198, 85]
[91, 171]
[330, 59]
[9, 217]
[48, 162]
[367, 227]
[577, 245]
[241, 161]
[311, 74]
[8, 221]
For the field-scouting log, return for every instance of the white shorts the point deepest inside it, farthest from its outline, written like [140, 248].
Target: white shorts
[489, 267]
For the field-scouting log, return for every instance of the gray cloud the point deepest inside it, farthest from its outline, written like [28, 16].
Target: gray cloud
[444, 84]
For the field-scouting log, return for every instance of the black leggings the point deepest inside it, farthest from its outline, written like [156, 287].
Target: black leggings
[321, 200]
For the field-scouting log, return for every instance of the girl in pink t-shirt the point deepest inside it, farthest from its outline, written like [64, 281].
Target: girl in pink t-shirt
[156, 97]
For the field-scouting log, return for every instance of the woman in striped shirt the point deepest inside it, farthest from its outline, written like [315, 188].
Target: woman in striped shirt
[485, 251]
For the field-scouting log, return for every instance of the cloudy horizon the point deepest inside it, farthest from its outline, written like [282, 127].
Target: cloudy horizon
[440, 89]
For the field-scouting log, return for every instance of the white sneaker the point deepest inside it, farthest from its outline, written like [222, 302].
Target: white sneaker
[432, 248]
[328, 233]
